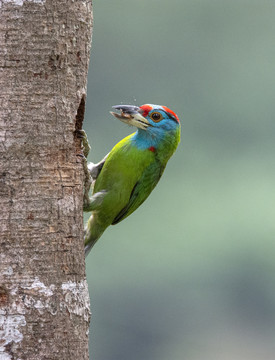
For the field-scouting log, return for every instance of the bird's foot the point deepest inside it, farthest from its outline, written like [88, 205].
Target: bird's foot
[87, 202]
[81, 134]
[88, 180]
[94, 202]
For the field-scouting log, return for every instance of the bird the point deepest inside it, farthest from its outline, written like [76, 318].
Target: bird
[126, 176]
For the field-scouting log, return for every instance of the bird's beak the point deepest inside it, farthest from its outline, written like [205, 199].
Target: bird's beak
[131, 115]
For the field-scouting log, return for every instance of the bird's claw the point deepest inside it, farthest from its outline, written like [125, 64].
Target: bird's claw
[81, 134]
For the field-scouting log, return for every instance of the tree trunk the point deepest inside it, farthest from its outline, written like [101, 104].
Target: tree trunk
[44, 301]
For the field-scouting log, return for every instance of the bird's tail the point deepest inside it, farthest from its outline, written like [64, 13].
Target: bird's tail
[93, 231]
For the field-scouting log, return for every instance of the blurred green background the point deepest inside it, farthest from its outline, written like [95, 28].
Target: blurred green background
[191, 274]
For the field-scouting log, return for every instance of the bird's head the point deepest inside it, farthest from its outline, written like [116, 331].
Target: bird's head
[152, 118]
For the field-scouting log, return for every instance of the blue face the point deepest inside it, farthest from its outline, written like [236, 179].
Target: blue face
[162, 118]
[162, 122]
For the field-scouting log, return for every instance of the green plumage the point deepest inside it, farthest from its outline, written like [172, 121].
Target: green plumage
[127, 177]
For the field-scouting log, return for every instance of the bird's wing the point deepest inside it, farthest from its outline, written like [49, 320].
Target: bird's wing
[141, 190]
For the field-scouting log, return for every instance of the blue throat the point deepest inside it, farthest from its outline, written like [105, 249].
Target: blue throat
[143, 139]
[156, 135]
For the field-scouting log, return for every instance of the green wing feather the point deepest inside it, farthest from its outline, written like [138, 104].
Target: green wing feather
[141, 190]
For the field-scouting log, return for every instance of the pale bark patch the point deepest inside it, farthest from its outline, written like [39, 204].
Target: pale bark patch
[37, 285]
[10, 332]
[76, 298]
[21, 2]
[40, 297]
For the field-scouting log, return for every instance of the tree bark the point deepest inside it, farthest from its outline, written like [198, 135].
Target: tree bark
[44, 301]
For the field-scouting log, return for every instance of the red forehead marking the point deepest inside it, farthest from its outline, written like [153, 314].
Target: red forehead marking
[171, 112]
[146, 109]
[152, 148]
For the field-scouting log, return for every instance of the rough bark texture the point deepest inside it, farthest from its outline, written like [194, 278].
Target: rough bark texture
[44, 302]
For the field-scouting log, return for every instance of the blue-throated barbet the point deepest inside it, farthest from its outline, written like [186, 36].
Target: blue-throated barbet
[128, 174]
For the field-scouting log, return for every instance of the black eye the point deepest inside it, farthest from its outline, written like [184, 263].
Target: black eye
[156, 116]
